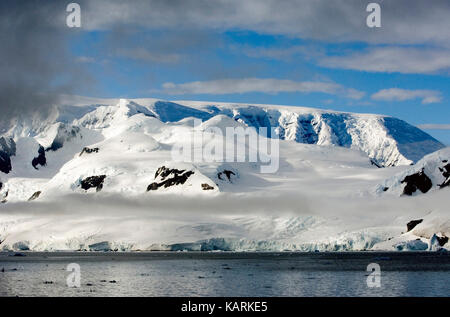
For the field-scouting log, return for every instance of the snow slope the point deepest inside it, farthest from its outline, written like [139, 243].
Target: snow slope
[100, 174]
[429, 174]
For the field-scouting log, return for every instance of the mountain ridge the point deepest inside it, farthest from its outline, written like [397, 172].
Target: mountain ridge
[386, 140]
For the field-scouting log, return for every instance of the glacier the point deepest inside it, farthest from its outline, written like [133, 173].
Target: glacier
[103, 178]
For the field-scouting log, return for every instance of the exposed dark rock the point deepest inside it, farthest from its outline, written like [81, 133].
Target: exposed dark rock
[177, 177]
[442, 240]
[65, 133]
[227, 173]
[7, 149]
[416, 181]
[89, 150]
[163, 172]
[1, 185]
[152, 186]
[54, 146]
[412, 224]
[385, 189]
[8, 146]
[35, 196]
[3, 199]
[40, 159]
[93, 181]
[5, 162]
[372, 161]
[207, 187]
[445, 170]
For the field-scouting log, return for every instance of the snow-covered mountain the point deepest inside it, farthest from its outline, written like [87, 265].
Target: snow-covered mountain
[100, 173]
[430, 173]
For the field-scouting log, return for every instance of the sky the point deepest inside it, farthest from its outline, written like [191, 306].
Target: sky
[309, 53]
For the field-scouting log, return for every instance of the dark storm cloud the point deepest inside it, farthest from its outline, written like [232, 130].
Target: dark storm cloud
[35, 64]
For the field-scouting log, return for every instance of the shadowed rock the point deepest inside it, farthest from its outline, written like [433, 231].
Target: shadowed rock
[412, 224]
[445, 170]
[40, 159]
[89, 150]
[442, 240]
[7, 149]
[177, 177]
[35, 196]
[64, 133]
[227, 173]
[416, 181]
[93, 182]
[372, 162]
[207, 187]
[3, 199]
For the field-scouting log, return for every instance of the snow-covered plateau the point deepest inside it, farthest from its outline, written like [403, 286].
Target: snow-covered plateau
[99, 174]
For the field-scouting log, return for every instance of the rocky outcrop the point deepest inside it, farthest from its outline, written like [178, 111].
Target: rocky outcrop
[412, 224]
[5, 163]
[418, 181]
[3, 199]
[445, 170]
[442, 240]
[207, 187]
[89, 150]
[40, 159]
[169, 177]
[62, 134]
[93, 182]
[35, 196]
[225, 173]
[430, 173]
[7, 149]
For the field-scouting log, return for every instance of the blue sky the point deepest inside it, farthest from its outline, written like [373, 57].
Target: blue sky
[292, 60]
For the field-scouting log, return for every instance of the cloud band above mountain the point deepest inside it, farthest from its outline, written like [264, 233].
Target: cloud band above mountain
[262, 85]
[396, 94]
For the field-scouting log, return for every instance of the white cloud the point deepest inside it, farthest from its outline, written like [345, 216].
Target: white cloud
[85, 59]
[403, 21]
[434, 126]
[405, 60]
[147, 56]
[262, 85]
[284, 53]
[396, 94]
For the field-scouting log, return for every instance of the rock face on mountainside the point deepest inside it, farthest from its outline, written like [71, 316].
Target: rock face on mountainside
[169, 177]
[417, 181]
[7, 149]
[40, 159]
[430, 173]
[387, 141]
[412, 224]
[93, 182]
